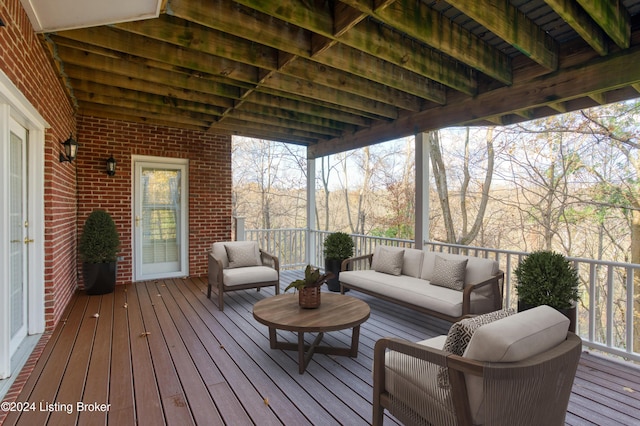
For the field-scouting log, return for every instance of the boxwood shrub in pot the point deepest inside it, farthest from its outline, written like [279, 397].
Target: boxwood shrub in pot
[98, 247]
[548, 278]
[338, 246]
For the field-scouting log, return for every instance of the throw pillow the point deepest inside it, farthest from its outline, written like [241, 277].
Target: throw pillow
[388, 261]
[460, 335]
[242, 255]
[449, 273]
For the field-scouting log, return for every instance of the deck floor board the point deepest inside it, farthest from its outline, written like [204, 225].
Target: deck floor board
[160, 352]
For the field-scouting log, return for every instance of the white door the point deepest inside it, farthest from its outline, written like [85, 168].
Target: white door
[19, 234]
[160, 218]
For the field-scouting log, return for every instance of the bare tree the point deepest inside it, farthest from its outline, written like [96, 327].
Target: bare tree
[465, 235]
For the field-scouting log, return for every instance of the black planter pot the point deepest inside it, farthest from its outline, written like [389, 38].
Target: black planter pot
[570, 313]
[333, 265]
[99, 278]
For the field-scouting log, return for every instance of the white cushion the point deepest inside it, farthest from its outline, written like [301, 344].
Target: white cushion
[512, 339]
[248, 275]
[519, 336]
[478, 268]
[220, 252]
[243, 255]
[415, 291]
[388, 260]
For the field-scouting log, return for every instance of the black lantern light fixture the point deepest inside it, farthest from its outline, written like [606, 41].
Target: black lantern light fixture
[70, 150]
[111, 166]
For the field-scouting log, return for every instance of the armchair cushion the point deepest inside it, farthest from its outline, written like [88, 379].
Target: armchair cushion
[248, 275]
[461, 332]
[243, 254]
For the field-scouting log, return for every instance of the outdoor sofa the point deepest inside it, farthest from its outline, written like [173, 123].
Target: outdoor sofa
[443, 285]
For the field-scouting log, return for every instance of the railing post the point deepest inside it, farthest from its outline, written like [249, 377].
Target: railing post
[310, 240]
[239, 228]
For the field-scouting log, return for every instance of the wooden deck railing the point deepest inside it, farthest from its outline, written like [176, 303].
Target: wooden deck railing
[605, 311]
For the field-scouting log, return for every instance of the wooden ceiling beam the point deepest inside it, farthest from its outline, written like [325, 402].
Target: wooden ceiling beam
[580, 21]
[321, 111]
[223, 94]
[426, 25]
[244, 125]
[513, 26]
[193, 36]
[280, 113]
[612, 17]
[297, 41]
[145, 47]
[560, 86]
[311, 90]
[84, 78]
[158, 104]
[129, 114]
[320, 131]
[435, 66]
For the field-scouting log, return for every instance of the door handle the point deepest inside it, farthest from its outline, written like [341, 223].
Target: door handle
[27, 240]
[15, 241]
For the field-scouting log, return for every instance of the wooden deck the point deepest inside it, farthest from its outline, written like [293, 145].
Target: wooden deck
[160, 352]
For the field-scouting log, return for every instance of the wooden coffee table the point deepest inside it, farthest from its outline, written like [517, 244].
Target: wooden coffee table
[336, 312]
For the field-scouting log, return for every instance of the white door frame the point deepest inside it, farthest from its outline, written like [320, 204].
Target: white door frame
[14, 105]
[184, 217]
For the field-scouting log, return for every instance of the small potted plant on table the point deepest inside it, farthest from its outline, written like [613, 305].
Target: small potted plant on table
[309, 287]
[337, 247]
[99, 245]
[548, 278]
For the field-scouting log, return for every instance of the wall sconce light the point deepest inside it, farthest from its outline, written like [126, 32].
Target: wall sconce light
[70, 150]
[111, 166]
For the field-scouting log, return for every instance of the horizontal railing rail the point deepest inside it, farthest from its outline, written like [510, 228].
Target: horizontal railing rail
[606, 306]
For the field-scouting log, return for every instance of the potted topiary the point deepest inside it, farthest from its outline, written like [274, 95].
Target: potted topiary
[338, 246]
[309, 287]
[548, 278]
[99, 244]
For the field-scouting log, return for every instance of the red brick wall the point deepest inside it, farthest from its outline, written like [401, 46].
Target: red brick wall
[209, 181]
[24, 60]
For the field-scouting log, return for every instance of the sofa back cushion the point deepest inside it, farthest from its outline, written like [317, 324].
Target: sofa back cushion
[478, 268]
[237, 254]
[411, 259]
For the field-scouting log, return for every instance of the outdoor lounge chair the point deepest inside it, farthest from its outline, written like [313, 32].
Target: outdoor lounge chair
[518, 370]
[239, 265]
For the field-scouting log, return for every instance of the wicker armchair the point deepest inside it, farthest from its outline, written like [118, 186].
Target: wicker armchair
[240, 265]
[419, 384]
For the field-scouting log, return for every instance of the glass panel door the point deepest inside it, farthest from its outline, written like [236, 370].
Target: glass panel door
[160, 220]
[17, 211]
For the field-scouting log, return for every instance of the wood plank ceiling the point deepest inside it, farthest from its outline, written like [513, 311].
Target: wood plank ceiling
[336, 75]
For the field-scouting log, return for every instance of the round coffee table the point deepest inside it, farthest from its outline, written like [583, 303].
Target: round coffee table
[336, 312]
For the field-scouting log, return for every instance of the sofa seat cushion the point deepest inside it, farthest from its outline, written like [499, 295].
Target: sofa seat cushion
[413, 291]
[248, 275]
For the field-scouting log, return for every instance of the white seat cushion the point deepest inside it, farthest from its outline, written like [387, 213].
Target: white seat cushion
[248, 275]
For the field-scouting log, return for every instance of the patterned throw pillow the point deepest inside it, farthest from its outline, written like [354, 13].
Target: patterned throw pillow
[388, 261]
[449, 273]
[460, 335]
[242, 255]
